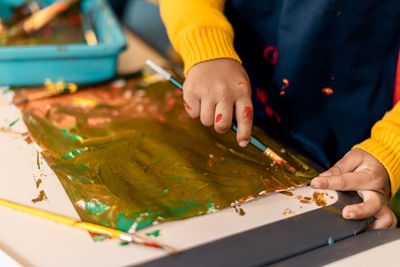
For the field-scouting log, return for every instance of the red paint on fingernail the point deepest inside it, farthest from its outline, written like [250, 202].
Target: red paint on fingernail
[218, 118]
[248, 113]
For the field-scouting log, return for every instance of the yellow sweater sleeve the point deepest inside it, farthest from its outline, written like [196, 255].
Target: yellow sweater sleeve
[384, 145]
[198, 30]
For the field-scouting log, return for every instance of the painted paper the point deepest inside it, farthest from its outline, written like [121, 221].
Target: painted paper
[129, 156]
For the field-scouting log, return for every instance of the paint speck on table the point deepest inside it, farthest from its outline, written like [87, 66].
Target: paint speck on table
[98, 238]
[287, 212]
[14, 122]
[319, 198]
[155, 233]
[239, 210]
[42, 196]
[38, 182]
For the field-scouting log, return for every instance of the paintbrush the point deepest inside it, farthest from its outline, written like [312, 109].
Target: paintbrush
[50, 90]
[38, 19]
[60, 88]
[90, 227]
[253, 140]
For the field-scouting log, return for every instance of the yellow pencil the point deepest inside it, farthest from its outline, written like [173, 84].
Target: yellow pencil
[93, 228]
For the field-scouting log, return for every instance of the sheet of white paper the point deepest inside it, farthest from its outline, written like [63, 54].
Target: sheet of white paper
[6, 260]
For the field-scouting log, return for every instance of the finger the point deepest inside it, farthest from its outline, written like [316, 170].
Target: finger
[352, 181]
[348, 163]
[207, 111]
[223, 117]
[192, 106]
[244, 117]
[371, 205]
[383, 219]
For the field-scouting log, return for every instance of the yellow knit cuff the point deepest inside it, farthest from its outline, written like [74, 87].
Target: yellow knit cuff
[388, 155]
[203, 44]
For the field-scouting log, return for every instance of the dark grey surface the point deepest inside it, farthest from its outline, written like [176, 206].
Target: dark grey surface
[273, 242]
[343, 249]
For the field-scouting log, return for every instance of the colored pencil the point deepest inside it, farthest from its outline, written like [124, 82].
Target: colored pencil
[93, 228]
[253, 140]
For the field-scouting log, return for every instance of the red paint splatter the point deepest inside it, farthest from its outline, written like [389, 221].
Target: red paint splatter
[240, 83]
[284, 86]
[187, 106]
[261, 96]
[178, 92]
[271, 113]
[248, 113]
[271, 54]
[327, 91]
[218, 118]
[151, 245]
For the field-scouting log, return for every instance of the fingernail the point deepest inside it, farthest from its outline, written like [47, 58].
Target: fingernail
[325, 174]
[350, 215]
[315, 183]
[243, 143]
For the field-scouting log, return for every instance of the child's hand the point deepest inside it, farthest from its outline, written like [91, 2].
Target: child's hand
[212, 89]
[360, 171]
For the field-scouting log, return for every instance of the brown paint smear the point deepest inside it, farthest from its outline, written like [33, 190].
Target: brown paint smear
[42, 196]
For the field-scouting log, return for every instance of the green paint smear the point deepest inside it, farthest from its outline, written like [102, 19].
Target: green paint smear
[153, 164]
[75, 137]
[95, 207]
[155, 233]
[123, 224]
[98, 238]
[14, 122]
[80, 178]
[146, 223]
[72, 154]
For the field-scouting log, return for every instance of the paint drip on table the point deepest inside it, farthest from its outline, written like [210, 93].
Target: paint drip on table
[129, 156]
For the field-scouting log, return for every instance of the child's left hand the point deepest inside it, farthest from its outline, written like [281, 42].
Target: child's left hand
[360, 171]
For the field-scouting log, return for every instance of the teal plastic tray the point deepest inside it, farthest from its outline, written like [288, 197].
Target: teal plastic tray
[79, 63]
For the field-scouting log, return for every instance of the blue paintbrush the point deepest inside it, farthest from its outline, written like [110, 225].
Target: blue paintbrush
[253, 140]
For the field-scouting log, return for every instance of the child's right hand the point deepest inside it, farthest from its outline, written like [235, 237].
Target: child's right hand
[212, 89]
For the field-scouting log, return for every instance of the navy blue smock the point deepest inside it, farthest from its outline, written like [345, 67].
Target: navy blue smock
[324, 69]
